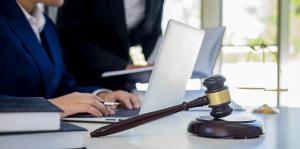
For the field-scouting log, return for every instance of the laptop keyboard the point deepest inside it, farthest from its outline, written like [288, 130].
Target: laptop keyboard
[119, 113]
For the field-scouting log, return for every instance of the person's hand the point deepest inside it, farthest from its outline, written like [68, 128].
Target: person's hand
[81, 103]
[130, 101]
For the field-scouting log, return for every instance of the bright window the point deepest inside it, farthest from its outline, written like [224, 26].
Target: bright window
[249, 52]
[186, 11]
[291, 70]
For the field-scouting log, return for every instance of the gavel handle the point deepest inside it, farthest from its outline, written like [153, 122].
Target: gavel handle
[147, 117]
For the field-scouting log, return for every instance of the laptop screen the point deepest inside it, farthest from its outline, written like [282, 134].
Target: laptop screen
[173, 67]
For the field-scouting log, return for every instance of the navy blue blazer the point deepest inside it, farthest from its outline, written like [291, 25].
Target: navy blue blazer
[25, 67]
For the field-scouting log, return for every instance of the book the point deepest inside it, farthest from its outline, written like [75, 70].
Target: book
[68, 136]
[28, 114]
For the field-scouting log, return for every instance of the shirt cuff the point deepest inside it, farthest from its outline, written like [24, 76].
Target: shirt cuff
[98, 91]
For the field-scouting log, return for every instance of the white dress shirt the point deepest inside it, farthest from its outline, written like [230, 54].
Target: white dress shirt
[36, 20]
[134, 12]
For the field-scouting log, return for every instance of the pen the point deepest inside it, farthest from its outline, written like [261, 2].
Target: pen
[106, 103]
[110, 103]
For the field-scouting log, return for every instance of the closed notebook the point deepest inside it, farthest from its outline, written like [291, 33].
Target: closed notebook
[28, 114]
[68, 136]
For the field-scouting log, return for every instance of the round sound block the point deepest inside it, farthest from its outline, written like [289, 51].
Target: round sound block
[229, 127]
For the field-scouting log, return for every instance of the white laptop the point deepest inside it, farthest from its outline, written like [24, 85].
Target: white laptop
[172, 70]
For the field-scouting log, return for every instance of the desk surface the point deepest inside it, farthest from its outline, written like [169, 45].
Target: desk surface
[282, 132]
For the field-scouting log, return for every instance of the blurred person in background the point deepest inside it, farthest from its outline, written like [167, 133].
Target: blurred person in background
[97, 35]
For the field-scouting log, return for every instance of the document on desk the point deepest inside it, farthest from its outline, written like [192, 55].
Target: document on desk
[125, 72]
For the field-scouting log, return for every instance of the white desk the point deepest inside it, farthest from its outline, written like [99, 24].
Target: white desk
[282, 132]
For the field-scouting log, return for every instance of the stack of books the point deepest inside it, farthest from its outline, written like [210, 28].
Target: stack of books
[32, 122]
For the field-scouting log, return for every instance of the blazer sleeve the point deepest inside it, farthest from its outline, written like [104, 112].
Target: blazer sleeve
[78, 46]
[93, 58]
[68, 85]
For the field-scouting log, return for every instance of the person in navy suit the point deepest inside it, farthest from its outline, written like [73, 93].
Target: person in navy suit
[31, 63]
[97, 35]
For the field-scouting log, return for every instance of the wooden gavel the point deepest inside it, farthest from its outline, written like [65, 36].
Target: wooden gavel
[217, 97]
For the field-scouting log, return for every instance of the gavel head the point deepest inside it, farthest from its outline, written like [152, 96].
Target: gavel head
[218, 96]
